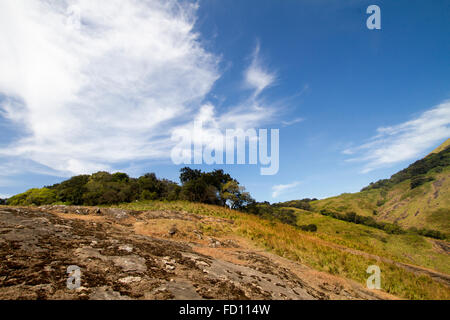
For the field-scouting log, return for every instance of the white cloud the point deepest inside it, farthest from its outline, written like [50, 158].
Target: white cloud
[103, 93]
[282, 188]
[292, 122]
[405, 141]
[110, 88]
[257, 77]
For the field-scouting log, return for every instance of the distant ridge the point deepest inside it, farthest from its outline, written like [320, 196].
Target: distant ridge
[442, 147]
[417, 196]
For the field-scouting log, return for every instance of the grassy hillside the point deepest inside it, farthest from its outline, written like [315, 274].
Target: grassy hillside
[442, 147]
[418, 196]
[341, 235]
[338, 247]
[407, 248]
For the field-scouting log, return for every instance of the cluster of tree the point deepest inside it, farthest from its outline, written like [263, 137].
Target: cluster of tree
[303, 204]
[428, 233]
[103, 188]
[267, 211]
[3, 202]
[416, 172]
[278, 212]
[309, 227]
[364, 220]
[390, 228]
[214, 187]
[33, 197]
[417, 181]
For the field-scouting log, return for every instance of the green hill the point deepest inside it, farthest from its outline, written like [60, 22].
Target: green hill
[416, 197]
[340, 236]
[442, 147]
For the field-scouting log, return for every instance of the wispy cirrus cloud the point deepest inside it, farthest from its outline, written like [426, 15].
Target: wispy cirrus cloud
[91, 84]
[279, 189]
[404, 141]
[287, 123]
[257, 76]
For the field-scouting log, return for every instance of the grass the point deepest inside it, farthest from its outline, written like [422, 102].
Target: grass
[426, 205]
[407, 248]
[312, 250]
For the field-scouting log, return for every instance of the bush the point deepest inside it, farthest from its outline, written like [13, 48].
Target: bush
[272, 212]
[309, 227]
[432, 234]
[419, 180]
[36, 197]
[147, 195]
[71, 191]
[386, 227]
[286, 216]
[381, 202]
[367, 221]
[299, 204]
[101, 188]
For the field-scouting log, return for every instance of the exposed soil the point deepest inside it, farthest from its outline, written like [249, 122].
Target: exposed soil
[146, 255]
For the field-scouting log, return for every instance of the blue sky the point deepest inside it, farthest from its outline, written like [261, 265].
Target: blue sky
[353, 105]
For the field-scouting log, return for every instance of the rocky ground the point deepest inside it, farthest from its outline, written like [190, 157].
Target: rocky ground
[146, 255]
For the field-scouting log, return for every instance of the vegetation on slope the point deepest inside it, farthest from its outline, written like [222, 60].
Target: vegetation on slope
[416, 198]
[318, 250]
[317, 233]
[103, 188]
[442, 147]
[405, 247]
[417, 171]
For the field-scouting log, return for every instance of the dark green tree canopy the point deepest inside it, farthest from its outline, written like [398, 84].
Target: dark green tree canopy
[103, 188]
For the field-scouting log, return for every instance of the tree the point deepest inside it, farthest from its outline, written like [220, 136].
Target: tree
[36, 197]
[309, 227]
[234, 195]
[199, 191]
[71, 191]
[188, 174]
[417, 181]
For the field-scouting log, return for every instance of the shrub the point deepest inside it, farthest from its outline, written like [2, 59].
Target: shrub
[101, 188]
[432, 234]
[147, 195]
[367, 221]
[286, 216]
[309, 227]
[303, 204]
[381, 202]
[419, 180]
[36, 197]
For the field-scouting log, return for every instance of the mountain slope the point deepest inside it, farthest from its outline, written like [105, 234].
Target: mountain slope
[442, 147]
[126, 255]
[418, 196]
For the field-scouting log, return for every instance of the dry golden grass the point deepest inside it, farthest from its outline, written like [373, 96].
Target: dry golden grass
[427, 205]
[306, 248]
